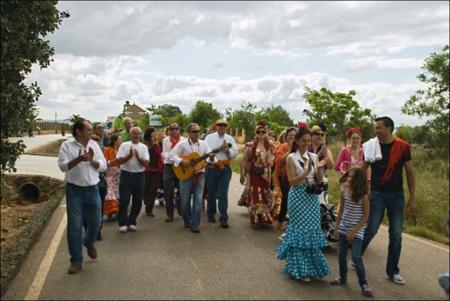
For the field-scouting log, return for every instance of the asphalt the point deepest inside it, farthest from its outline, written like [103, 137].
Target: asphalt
[166, 261]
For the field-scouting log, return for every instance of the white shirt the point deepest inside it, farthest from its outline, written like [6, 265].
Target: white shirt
[166, 149]
[186, 147]
[83, 174]
[296, 157]
[133, 164]
[215, 141]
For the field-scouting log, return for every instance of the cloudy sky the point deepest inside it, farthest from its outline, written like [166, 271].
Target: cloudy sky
[227, 52]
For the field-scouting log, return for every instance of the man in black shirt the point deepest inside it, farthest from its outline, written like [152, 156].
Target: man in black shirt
[387, 192]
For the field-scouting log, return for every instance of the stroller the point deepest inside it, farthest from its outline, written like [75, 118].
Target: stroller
[327, 216]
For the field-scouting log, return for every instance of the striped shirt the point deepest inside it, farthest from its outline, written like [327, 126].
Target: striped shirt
[353, 213]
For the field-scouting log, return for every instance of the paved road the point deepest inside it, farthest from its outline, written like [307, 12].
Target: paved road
[166, 261]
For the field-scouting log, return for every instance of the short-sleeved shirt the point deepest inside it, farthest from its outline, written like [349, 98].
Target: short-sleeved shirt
[133, 164]
[395, 182]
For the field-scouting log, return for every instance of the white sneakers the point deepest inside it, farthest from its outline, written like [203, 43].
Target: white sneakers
[123, 229]
[132, 228]
[396, 278]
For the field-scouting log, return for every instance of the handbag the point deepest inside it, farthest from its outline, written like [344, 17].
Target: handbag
[258, 170]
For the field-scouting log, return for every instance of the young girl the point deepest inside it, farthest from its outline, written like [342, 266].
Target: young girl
[352, 216]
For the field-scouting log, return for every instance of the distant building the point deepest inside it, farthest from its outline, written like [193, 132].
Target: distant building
[132, 110]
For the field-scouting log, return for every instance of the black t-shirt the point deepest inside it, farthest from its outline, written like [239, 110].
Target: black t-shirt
[395, 183]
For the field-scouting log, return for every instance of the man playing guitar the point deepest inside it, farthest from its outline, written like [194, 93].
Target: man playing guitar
[194, 185]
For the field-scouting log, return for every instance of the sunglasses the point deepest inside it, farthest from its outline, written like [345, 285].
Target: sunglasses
[195, 132]
[260, 132]
[318, 134]
[222, 125]
[174, 129]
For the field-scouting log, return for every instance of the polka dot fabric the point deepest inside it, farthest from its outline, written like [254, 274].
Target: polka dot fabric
[302, 245]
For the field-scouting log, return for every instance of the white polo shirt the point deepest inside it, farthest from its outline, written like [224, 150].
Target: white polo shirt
[83, 174]
[133, 164]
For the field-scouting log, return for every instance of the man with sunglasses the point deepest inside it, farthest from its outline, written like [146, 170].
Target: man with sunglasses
[218, 175]
[194, 185]
[170, 181]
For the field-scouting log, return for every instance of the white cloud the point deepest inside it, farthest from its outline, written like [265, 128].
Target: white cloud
[98, 87]
[136, 28]
[381, 63]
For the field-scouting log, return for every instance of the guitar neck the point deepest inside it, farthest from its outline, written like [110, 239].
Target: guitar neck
[199, 159]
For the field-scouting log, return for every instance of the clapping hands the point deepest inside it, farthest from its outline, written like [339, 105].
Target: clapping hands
[86, 155]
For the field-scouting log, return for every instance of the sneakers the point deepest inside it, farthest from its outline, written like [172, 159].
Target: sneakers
[123, 229]
[132, 228]
[74, 268]
[305, 279]
[366, 290]
[169, 219]
[224, 224]
[195, 229]
[92, 252]
[396, 278]
[338, 281]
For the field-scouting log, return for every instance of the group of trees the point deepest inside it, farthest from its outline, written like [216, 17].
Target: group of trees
[25, 24]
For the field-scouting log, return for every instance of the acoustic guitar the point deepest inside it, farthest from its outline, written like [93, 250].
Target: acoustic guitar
[197, 163]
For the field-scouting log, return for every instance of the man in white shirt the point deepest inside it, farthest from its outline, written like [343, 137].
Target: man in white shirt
[170, 181]
[218, 175]
[81, 159]
[193, 186]
[133, 157]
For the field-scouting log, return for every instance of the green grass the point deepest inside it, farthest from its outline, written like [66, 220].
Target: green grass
[432, 193]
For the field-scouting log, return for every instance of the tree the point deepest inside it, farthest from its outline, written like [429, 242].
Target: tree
[338, 111]
[275, 114]
[433, 102]
[118, 123]
[24, 24]
[74, 118]
[243, 118]
[204, 114]
[167, 111]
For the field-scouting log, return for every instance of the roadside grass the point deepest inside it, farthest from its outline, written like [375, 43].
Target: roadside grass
[432, 193]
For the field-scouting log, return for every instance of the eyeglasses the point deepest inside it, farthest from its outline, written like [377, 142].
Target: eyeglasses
[222, 125]
[260, 132]
[195, 132]
[174, 129]
[318, 134]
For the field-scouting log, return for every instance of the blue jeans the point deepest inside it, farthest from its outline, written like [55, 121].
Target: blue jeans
[83, 206]
[218, 181]
[131, 185]
[356, 245]
[191, 215]
[394, 203]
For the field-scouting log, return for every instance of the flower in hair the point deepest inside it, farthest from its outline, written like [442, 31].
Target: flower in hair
[302, 124]
[351, 131]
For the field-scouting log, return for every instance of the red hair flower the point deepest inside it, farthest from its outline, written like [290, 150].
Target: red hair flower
[302, 124]
[351, 131]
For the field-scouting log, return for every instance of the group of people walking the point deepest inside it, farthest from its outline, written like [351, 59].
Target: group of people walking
[284, 181]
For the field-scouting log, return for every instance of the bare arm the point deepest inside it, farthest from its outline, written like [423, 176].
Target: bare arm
[293, 178]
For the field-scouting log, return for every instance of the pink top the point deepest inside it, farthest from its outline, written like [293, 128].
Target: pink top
[345, 159]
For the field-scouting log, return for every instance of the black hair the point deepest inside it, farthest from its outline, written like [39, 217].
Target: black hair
[387, 121]
[78, 125]
[148, 134]
[113, 139]
[300, 133]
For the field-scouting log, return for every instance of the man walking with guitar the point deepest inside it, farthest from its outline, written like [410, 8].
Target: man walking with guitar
[218, 175]
[188, 157]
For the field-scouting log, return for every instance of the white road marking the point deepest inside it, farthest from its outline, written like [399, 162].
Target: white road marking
[41, 275]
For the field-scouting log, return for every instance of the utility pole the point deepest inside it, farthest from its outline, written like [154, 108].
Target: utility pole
[56, 125]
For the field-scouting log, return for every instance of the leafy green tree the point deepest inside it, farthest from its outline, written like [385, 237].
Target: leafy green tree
[276, 115]
[24, 25]
[434, 101]
[243, 118]
[167, 111]
[143, 122]
[405, 132]
[204, 114]
[338, 111]
[74, 118]
[118, 123]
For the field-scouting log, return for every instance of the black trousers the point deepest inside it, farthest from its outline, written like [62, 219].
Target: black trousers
[170, 183]
[284, 185]
[131, 186]
[152, 183]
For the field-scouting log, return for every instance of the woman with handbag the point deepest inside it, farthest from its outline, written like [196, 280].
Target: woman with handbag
[256, 176]
[303, 241]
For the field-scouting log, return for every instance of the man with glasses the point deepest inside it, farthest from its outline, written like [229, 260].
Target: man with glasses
[218, 175]
[170, 181]
[193, 186]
